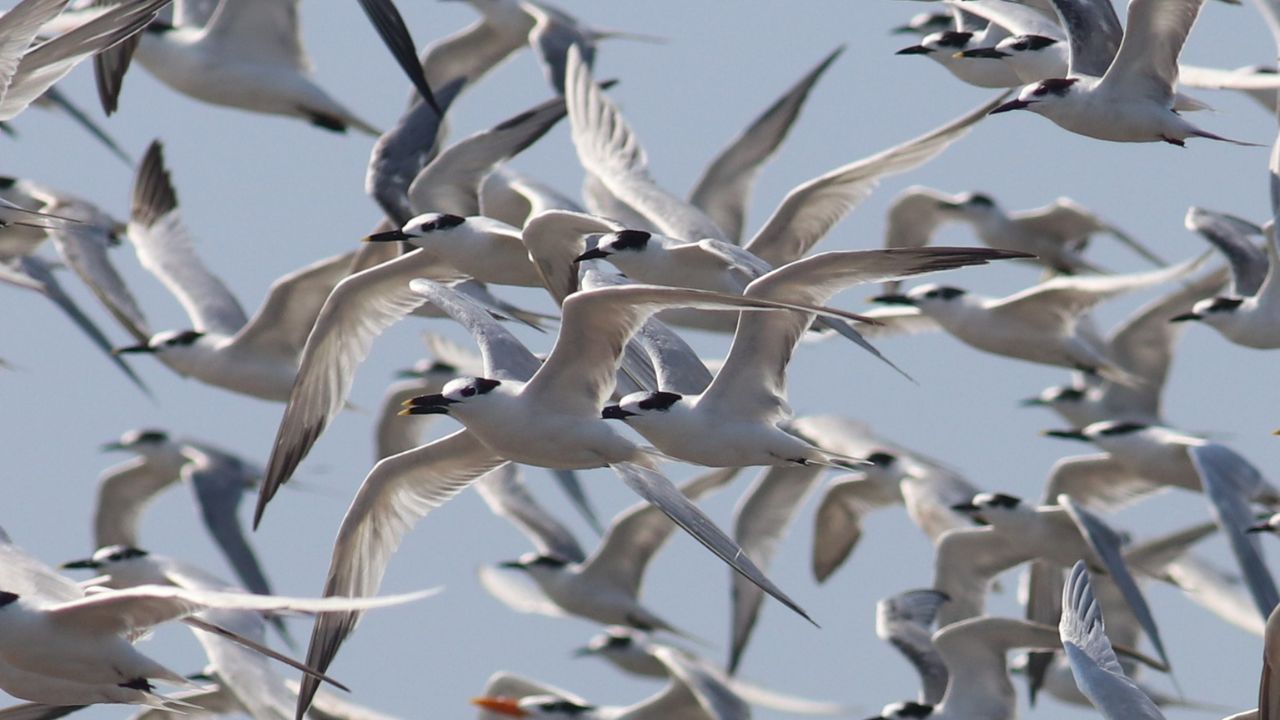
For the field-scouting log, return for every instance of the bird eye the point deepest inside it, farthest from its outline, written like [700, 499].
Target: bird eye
[1040, 91]
[468, 391]
[931, 294]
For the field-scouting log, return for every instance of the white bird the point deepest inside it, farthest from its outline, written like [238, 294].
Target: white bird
[1143, 345]
[1118, 89]
[551, 420]
[1045, 323]
[218, 479]
[1055, 234]
[604, 587]
[488, 250]
[248, 54]
[695, 692]
[925, 23]
[736, 420]
[1251, 319]
[59, 646]
[1093, 661]
[255, 356]
[947, 48]
[633, 651]
[905, 621]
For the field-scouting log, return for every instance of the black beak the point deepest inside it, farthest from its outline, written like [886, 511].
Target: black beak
[893, 300]
[1011, 105]
[143, 348]
[592, 254]
[1184, 317]
[1259, 528]
[89, 564]
[111, 447]
[435, 404]
[583, 652]
[914, 50]
[988, 53]
[967, 507]
[512, 565]
[615, 412]
[409, 374]
[388, 236]
[1066, 434]
[903, 30]
[1033, 402]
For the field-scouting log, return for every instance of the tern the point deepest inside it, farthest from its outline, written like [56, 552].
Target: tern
[51, 631]
[1251, 319]
[1119, 85]
[255, 356]
[1045, 323]
[947, 48]
[248, 54]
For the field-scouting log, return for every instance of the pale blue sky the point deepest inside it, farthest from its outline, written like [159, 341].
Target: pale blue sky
[264, 196]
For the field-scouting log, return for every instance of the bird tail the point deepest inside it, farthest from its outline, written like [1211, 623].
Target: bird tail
[1205, 134]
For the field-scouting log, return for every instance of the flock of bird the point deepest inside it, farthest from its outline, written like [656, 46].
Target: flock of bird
[614, 278]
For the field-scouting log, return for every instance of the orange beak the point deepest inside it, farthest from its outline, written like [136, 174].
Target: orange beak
[500, 705]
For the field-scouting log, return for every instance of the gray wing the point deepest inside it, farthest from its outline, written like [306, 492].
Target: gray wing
[18, 29]
[725, 186]
[399, 491]
[675, 363]
[85, 249]
[165, 248]
[220, 482]
[37, 711]
[1094, 32]
[505, 357]
[760, 520]
[1230, 482]
[572, 487]
[1230, 235]
[244, 673]
[282, 324]
[905, 621]
[401, 152]
[1093, 663]
[1098, 481]
[554, 32]
[837, 524]
[35, 273]
[390, 26]
[506, 495]
[638, 532]
[658, 490]
[554, 238]
[450, 183]
[810, 209]
[26, 576]
[123, 491]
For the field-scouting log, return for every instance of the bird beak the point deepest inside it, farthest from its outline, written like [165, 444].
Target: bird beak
[111, 447]
[914, 50]
[388, 236]
[435, 404]
[893, 300]
[1066, 434]
[88, 564]
[592, 254]
[1184, 317]
[512, 565]
[143, 348]
[1011, 105]
[1033, 402]
[1258, 528]
[409, 374]
[500, 705]
[583, 652]
[988, 53]
[965, 507]
[615, 412]
[903, 30]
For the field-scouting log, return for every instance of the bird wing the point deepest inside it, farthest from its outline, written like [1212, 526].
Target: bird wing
[263, 32]
[85, 249]
[450, 183]
[123, 492]
[905, 621]
[760, 520]
[27, 577]
[637, 533]
[293, 303]
[1014, 17]
[1230, 482]
[1094, 33]
[914, 215]
[1269, 292]
[1230, 235]
[725, 186]
[1093, 663]
[506, 495]
[610, 151]
[518, 592]
[1146, 64]
[18, 29]
[220, 482]
[659, 491]
[398, 491]
[1097, 481]
[837, 523]
[403, 151]
[359, 309]
[554, 238]
[811, 208]
[1070, 221]
[165, 248]
[965, 562]
[708, 685]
